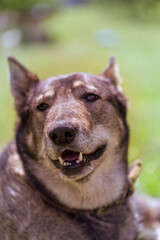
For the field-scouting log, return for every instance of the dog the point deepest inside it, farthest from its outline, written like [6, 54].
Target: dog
[65, 174]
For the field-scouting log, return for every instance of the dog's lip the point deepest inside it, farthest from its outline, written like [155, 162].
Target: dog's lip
[78, 159]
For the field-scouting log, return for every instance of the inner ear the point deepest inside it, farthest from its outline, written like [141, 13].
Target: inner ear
[21, 80]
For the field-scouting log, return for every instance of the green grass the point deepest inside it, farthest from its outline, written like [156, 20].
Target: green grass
[77, 49]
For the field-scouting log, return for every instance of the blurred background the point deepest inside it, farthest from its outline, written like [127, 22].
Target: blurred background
[54, 37]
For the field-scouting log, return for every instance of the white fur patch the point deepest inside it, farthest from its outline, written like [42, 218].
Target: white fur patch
[39, 98]
[78, 83]
[49, 93]
[12, 192]
[16, 164]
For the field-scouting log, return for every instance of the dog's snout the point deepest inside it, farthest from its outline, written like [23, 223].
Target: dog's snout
[63, 135]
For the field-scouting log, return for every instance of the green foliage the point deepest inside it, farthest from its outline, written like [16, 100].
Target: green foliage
[22, 5]
[135, 8]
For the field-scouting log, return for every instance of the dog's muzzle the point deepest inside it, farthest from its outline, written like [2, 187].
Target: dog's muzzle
[70, 160]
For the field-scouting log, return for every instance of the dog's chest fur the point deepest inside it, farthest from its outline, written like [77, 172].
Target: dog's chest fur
[32, 218]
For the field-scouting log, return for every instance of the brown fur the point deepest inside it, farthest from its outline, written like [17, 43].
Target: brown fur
[40, 198]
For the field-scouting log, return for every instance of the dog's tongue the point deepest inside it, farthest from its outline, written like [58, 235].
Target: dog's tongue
[69, 155]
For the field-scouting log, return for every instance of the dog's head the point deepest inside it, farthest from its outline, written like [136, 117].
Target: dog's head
[75, 121]
[73, 124]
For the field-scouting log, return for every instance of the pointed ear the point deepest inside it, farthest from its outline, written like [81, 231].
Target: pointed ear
[112, 72]
[21, 81]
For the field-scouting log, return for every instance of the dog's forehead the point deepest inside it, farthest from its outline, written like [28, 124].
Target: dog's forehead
[73, 81]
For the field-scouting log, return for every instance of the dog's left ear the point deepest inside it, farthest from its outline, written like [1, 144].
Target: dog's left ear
[112, 72]
[21, 81]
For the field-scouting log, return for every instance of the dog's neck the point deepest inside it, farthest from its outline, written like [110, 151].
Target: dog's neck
[127, 192]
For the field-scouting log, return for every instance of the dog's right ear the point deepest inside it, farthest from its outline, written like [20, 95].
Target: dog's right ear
[112, 72]
[21, 81]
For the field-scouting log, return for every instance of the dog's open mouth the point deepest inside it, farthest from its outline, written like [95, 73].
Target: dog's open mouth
[70, 159]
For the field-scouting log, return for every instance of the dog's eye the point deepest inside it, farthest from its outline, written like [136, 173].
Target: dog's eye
[42, 107]
[91, 97]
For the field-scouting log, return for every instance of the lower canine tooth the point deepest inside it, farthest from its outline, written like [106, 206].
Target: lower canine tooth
[61, 160]
[77, 161]
[80, 156]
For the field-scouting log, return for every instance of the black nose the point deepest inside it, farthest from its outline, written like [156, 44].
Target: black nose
[63, 135]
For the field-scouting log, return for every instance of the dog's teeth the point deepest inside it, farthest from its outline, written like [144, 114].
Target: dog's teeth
[80, 156]
[68, 164]
[61, 160]
[78, 161]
